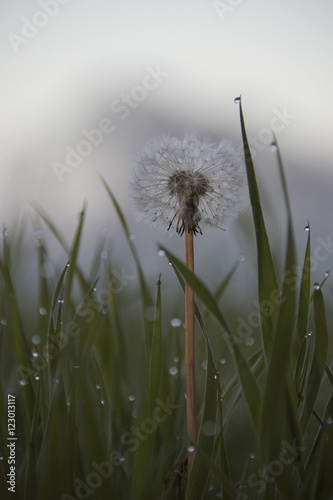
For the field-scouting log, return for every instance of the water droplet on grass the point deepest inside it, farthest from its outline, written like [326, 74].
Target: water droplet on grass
[3, 322]
[104, 254]
[191, 448]
[170, 263]
[131, 397]
[316, 286]
[307, 229]
[161, 253]
[98, 386]
[23, 382]
[37, 377]
[176, 359]
[132, 237]
[36, 339]
[252, 456]
[327, 274]
[76, 366]
[102, 401]
[241, 258]
[60, 300]
[175, 322]
[173, 370]
[309, 334]
[35, 354]
[329, 420]
[122, 459]
[204, 365]
[249, 341]
[222, 361]
[273, 146]
[237, 100]
[42, 311]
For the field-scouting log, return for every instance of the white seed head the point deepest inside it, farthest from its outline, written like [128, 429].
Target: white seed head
[189, 183]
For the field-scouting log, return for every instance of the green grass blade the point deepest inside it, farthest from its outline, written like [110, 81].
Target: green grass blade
[155, 371]
[249, 384]
[303, 308]
[74, 253]
[319, 357]
[145, 294]
[267, 282]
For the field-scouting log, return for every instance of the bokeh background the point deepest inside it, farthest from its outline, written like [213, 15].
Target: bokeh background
[67, 65]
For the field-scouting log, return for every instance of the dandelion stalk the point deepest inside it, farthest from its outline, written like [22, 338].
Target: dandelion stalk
[190, 352]
[186, 185]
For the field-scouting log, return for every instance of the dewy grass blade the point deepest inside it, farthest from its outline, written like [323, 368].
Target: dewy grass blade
[319, 357]
[249, 384]
[279, 400]
[267, 282]
[303, 307]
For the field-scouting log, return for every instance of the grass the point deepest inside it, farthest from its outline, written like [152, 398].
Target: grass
[99, 383]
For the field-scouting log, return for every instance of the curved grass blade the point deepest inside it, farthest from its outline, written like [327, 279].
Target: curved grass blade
[249, 384]
[145, 294]
[74, 253]
[303, 310]
[267, 282]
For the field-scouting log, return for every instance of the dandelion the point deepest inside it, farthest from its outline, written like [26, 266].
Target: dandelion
[186, 185]
[189, 183]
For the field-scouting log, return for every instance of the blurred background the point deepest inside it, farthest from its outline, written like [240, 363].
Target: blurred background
[133, 70]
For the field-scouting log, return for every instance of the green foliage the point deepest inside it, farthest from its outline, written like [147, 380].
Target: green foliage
[100, 413]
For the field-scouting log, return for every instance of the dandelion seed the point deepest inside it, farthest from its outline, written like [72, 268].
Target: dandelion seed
[189, 183]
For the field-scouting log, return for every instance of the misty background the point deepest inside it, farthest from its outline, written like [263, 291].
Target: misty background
[140, 69]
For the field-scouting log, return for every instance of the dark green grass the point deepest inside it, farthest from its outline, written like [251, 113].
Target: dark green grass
[98, 412]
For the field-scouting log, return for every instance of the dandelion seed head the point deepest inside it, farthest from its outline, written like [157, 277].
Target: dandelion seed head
[189, 183]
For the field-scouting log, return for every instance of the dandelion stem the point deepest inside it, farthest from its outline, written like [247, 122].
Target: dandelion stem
[190, 352]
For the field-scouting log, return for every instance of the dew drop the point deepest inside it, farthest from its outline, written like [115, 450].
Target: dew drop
[204, 365]
[176, 359]
[6, 233]
[60, 300]
[327, 274]
[161, 253]
[56, 380]
[316, 286]
[104, 254]
[68, 264]
[3, 322]
[175, 322]
[37, 377]
[191, 448]
[98, 386]
[42, 311]
[173, 370]
[102, 401]
[329, 421]
[132, 237]
[23, 382]
[131, 397]
[170, 263]
[241, 258]
[273, 146]
[309, 334]
[249, 341]
[1, 457]
[76, 366]
[80, 216]
[252, 456]
[307, 229]
[135, 413]
[122, 459]
[222, 361]
[36, 339]
[305, 336]
[94, 289]
[105, 311]
[68, 402]
[237, 100]
[34, 354]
